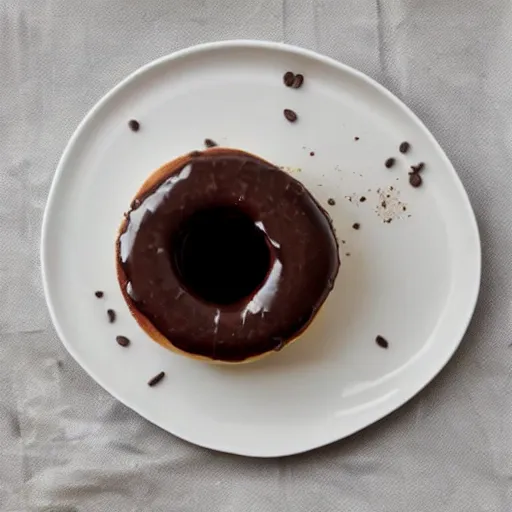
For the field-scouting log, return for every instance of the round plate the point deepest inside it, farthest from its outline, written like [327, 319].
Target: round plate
[410, 273]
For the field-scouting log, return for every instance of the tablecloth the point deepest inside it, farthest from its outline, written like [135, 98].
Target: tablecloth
[66, 445]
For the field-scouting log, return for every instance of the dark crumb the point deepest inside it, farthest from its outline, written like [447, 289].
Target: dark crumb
[123, 341]
[60, 363]
[391, 188]
[288, 78]
[388, 221]
[356, 138]
[311, 153]
[415, 179]
[389, 163]
[195, 153]
[111, 315]
[404, 147]
[331, 201]
[388, 196]
[134, 125]
[135, 204]
[383, 204]
[99, 294]
[156, 379]
[209, 143]
[343, 242]
[298, 81]
[362, 199]
[356, 225]
[347, 254]
[382, 342]
[290, 115]
[418, 168]
[404, 208]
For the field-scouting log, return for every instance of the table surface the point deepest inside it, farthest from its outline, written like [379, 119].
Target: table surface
[68, 446]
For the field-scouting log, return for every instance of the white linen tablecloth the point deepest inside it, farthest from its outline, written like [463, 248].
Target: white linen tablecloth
[66, 445]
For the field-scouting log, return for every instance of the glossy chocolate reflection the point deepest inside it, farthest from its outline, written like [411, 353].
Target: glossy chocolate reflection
[224, 256]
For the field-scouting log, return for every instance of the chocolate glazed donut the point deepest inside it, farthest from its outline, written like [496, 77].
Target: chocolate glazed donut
[224, 257]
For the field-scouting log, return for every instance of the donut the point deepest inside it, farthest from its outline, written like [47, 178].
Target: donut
[224, 257]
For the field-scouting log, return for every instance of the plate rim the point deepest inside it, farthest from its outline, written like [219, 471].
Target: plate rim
[271, 46]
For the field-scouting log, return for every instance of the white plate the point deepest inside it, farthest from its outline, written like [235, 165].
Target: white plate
[415, 280]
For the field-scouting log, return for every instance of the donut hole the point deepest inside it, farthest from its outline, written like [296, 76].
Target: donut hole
[220, 255]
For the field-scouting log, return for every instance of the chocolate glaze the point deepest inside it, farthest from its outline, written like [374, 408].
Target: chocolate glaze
[302, 267]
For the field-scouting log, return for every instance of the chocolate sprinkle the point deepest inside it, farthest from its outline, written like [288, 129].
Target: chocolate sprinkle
[418, 168]
[123, 341]
[389, 163]
[382, 342]
[356, 138]
[156, 379]
[311, 153]
[331, 201]
[111, 315]
[362, 199]
[209, 143]
[404, 147]
[134, 125]
[99, 294]
[290, 115]
[297, 81]
[415, 179]
[356, 226]
[288, 78]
